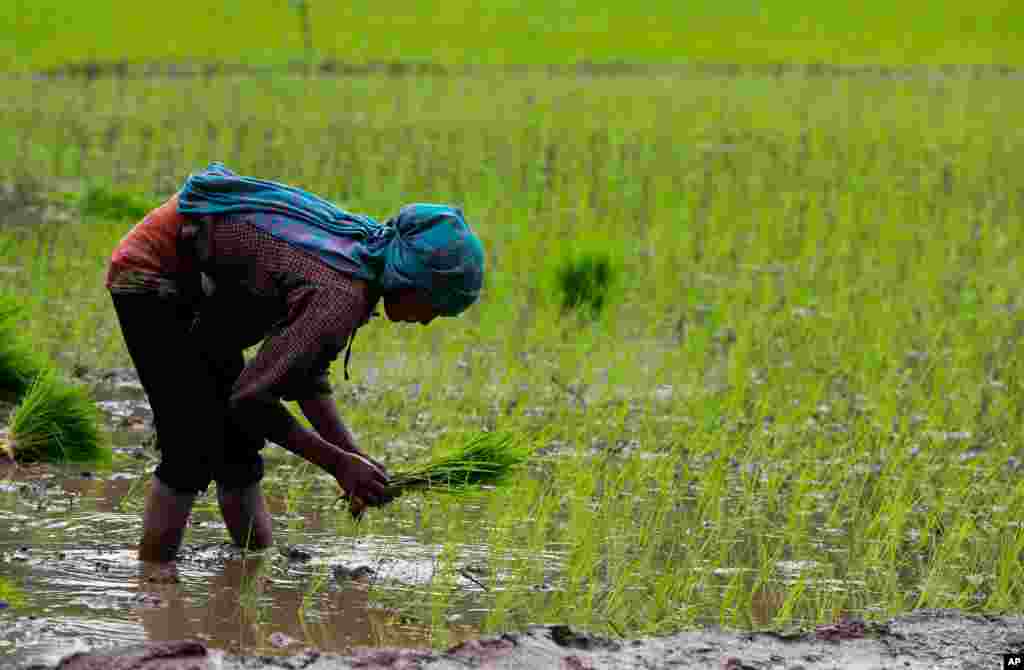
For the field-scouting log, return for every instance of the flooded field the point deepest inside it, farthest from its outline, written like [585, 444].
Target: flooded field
[67, 547]
[425, 572]
[798, 404]
[68, 556]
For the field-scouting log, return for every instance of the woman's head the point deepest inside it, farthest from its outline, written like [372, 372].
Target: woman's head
[435, 259]
[410, 305]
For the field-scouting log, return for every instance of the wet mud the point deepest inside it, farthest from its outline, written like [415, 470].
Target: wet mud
[924, 639]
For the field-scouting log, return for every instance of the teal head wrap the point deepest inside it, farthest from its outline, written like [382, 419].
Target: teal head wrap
[427, 247]
[435, 251]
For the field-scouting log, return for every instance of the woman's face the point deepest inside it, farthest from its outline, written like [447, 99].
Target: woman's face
[409, 305]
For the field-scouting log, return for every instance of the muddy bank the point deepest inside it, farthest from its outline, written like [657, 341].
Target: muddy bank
[923, 639]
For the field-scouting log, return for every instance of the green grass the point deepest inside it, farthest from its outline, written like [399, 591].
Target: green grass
[56, 422]
[104, 203]
[20, 362]
[47, 33]
[805, 400]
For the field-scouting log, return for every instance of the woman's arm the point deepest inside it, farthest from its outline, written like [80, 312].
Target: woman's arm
[356, 475]
[322, 412]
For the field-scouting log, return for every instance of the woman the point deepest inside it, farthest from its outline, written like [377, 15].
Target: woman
[230, 261]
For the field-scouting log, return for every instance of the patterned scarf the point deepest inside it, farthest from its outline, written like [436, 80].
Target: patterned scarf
[427, 247]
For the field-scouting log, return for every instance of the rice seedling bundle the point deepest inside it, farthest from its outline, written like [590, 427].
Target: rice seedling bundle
[55, 421]
[19, 362]
[486, 460]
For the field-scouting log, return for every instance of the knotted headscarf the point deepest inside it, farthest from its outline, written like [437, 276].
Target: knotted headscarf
[427, 247]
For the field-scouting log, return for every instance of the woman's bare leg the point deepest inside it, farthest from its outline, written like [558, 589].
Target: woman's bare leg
[246, 516]
[163, 523]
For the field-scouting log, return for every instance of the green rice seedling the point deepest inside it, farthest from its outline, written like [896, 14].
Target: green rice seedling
[19, 362]
[486, 460]
[583, 281]
[315, 584]
[56, 421]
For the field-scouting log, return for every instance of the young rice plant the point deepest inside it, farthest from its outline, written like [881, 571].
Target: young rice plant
[56, 421]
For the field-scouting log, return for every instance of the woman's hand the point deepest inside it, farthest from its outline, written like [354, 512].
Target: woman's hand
[361, 479]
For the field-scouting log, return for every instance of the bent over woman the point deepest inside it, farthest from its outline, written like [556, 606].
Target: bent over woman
[230, 261]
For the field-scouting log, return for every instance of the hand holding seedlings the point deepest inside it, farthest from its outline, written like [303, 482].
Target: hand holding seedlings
[361, 479]
[488, 459]
[356, 504]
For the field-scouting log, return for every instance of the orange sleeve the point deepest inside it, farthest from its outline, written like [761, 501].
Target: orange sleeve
[151, 246]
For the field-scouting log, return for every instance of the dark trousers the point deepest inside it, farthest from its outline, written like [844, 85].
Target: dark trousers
[188, 383]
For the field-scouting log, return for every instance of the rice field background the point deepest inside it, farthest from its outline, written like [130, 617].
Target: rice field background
[800, 398]
[49, 33]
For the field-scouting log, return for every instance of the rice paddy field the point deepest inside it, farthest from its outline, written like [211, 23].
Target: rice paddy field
[50, 33]
[800, 399]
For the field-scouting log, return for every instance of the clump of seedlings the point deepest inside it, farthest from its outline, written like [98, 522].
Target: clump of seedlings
[55, 421]
[584, 281]
[486, 460]
[19, 362]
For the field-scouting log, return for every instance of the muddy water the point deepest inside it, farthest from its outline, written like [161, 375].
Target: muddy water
[67, 557]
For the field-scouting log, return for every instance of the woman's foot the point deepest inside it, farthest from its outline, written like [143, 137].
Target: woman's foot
[163, 523]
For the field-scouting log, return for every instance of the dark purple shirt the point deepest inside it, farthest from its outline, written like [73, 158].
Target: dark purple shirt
[302, 310]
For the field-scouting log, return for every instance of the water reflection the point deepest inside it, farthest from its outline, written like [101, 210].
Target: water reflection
[67, 540]
[248, 610]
